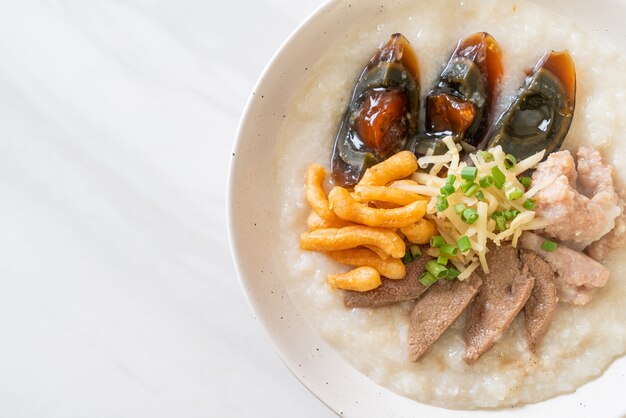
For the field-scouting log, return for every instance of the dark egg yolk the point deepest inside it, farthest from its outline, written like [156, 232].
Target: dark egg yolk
[381, 119]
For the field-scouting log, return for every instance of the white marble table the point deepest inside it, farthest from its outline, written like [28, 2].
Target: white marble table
[118, 296]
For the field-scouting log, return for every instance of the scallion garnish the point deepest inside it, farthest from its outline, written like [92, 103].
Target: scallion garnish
[452, 273]
[471, 190]
[530, 204]
[549, 245]
[436, 241]
[407, 257]
[436, 269]
[415, 250]
[447, 190]
[451, 179]
[469, 216]
[525, 181]
[509, 215]
[486, 181]
[487, 156]
[469, 173]
[500, 220]
[514, 194]
[510, 161]
[442, 260]
[480, 196]
[466, 185]
[427, 279]
[498, 177]
[464, 243]
[442, 203]
[449, 250]
[459, 208]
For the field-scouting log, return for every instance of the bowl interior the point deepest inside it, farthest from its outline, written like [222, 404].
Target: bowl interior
[324, 372]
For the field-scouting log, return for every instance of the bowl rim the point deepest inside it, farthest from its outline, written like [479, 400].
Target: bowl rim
[237, 143]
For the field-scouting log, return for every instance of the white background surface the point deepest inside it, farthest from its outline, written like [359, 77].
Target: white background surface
[118, 296]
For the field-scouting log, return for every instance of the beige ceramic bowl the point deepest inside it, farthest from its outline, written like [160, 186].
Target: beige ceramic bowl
[345, 390]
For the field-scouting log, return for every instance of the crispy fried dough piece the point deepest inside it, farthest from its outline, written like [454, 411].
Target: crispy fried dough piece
[361, 279]
[420, 232]
[542, 302]
[401, 197]
[396, 167]
[391, 291]
[330, 239]
[437, 309]
[349, 209]
[314, 221]
[391, 268]
[315, 195]
[504, 293]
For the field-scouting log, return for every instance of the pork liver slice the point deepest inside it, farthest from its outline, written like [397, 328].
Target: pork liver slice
[504, 293]
[542, 302]
[437, 309]
[391, 291]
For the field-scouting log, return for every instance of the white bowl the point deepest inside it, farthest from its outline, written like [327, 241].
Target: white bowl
[336, 383]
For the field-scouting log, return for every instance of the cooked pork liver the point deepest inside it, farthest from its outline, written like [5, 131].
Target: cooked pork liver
[391, 291]
[542, 302]
[578, 277]
[504, 293]
[437, 309]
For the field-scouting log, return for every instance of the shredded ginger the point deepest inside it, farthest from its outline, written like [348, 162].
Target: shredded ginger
[503, 212]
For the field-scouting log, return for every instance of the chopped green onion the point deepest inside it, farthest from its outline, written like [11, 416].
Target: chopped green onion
[514, 194]
[451, 179]
[501, 223]
[509, 215]
[471, 190]
[442, 260]
[530, 204]
[408, 257]
[469, 216]
[486, 181]
[469, 173]
[442, 203]
[436, 269]
[480, 196]
[415, 251]
[466, 185]
[447, 190]
[510, 161]
[498, 177]
[459, 208]
[449, 250]
[500, 220]
[427, 279]
[549, 245]
[525, 181]
[452, 273]
[464, 243]
[436, 241]
[487, 156]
